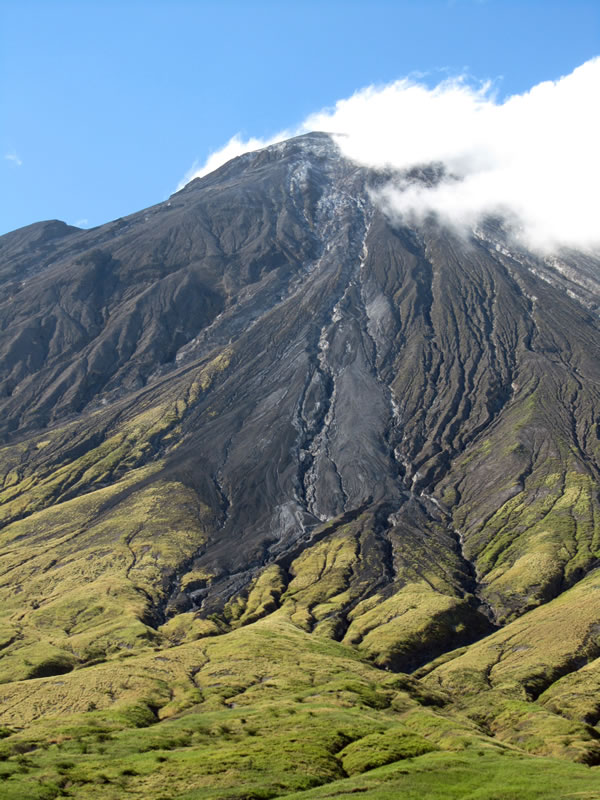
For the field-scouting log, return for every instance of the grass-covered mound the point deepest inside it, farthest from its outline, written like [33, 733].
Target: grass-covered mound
[263, 711]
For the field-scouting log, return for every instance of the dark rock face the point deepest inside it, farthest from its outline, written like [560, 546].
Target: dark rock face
[408, 375]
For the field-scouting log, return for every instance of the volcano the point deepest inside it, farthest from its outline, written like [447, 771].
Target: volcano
[294, 490]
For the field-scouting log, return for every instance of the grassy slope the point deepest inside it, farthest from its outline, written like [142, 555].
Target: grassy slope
[259, 712]
[92, 543]
[104, 695]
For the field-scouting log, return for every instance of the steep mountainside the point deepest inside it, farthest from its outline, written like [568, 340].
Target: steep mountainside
[263, 434]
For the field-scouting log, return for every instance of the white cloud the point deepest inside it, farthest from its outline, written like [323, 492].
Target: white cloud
[14, 159]
[534, 156]
[82, 223]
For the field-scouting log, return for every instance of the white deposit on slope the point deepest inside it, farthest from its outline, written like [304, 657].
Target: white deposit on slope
[534, 156]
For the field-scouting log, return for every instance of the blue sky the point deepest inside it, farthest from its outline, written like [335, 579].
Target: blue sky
[105, 105]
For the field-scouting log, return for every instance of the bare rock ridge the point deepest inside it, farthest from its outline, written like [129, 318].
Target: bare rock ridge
[263, 397]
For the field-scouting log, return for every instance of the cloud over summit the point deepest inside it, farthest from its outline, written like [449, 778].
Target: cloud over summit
[533, 156]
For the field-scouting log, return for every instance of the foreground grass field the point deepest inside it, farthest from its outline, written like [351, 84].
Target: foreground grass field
[264, 711]
[473, 776]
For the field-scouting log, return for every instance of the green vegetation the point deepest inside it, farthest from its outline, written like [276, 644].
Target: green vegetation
[296, 686]
[267, 707]
[476, 775]
[104, 697]
[91, 545]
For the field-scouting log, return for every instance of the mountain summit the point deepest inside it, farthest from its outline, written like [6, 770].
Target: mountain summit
[266, 412]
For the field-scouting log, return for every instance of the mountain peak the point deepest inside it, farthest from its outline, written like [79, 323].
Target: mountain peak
[309, 146]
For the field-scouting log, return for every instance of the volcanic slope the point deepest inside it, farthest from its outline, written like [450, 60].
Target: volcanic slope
[265, 452]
